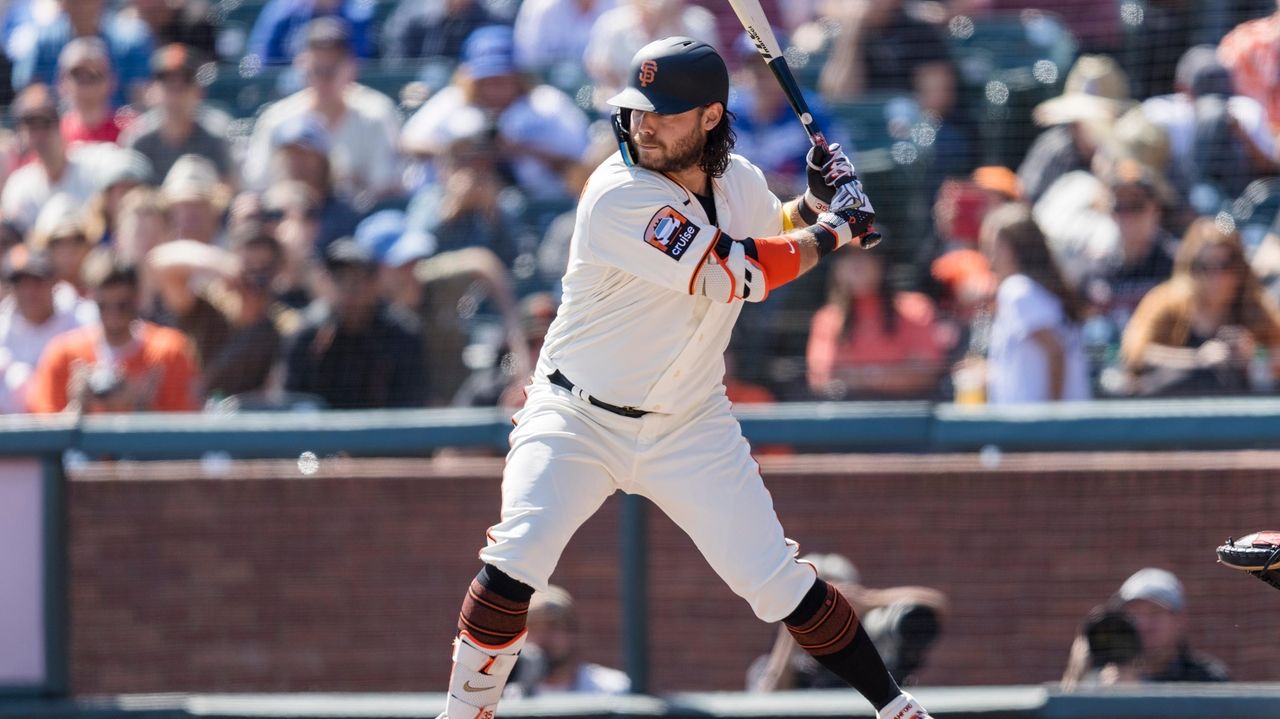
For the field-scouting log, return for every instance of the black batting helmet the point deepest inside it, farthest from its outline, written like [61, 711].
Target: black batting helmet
[674, 75]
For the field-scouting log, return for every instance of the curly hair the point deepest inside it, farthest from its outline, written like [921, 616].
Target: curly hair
[720, 142]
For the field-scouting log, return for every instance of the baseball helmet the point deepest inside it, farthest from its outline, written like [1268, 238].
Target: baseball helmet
[674, 75]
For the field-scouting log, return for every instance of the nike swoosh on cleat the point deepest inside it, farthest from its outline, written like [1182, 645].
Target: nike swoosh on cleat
[466, 686]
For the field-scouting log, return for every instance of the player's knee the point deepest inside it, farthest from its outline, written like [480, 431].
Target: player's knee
[780, 597]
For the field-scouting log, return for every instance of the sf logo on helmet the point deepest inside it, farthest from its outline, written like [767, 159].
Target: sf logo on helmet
[648, 72]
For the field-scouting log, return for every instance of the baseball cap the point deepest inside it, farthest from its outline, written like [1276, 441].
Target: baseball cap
[123, 165]
[1129, 172]
[22, 261]
[998, 179]
[555, 602]
[81, 50]
[1200, 72]
[174, 58]
[344, 252]
[62, 216]
[192, 177]
[674, 75]
[489, 52]
[327, 33]
[304, 131]
[1154, 585]
[387, 237]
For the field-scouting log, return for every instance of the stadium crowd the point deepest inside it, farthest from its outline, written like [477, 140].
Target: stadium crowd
[368, 203]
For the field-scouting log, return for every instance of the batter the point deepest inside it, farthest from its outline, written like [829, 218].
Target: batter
[673, 234]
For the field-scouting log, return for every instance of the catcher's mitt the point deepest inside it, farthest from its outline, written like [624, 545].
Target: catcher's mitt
[1258, 554]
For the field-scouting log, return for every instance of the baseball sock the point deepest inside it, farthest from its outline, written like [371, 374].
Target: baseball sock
[825, 625]
[496, 607]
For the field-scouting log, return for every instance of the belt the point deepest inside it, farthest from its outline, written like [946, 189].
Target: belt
[558, 379]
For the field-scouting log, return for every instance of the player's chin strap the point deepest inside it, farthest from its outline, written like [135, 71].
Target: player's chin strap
[621, 121]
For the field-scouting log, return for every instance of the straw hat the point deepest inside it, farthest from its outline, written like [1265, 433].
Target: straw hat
[1096, 89]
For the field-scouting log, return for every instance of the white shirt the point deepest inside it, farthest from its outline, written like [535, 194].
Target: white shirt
[28, 188]
[629, 332]
[1017, 370]
[1176, 113]
[364, 146]
[617, 36]
[22, 342]
[545, 119]
[592, 679]
[554, 31]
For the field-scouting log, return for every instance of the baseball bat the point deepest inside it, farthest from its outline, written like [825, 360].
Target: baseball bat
[754, 21]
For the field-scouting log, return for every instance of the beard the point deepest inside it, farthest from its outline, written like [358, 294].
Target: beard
[679, 154]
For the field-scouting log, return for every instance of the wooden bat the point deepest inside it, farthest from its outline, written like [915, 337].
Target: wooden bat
[753, 20]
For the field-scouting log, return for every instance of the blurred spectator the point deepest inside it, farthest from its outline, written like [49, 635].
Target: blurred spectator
[552, 32]
[501, 379]
[1139, 635]
[1036, 351]
[1095, 23]
[85, 85]
[1199, 332]
[870, 341]
[1252, 53]
[120, 172]
[362, 124]
[178, 122]
[141, 225]
[766, 125]
[454, 286]
[35, 50]
[31, 315]
[353, 350]
[184, 22]
[903, 622]
[551, 662]
[533, 132]
[53, 169]
[622, 31]
[881, 47]
[301, 150]
[223, 301]
[959, 273]
[1079, 121]
[1203, 93]
[281, 31]
[120, 364]
[464, 208]
[291, 212]
[1143, 256]
[60, 233]
[194, 199]
[433, 28]
[387, 237]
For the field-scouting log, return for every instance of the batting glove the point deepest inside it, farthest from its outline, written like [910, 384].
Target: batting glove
[827, 169]
[904, 707]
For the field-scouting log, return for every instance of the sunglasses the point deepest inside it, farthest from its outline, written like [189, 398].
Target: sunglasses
[174, 78]
[276, 215]
[37, 122]
[1130, 208]
[1202, 267]
[85, 76]
[117, 306]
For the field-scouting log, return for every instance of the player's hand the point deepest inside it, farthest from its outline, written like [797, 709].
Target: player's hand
[824, 168]
[903, 707]
[851, 216]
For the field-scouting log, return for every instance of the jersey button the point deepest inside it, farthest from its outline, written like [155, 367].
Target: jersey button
[676, 373]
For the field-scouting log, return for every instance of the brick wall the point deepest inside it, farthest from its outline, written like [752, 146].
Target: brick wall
[261, 579]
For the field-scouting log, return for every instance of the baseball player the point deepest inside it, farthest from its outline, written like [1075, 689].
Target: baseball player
[673, 234]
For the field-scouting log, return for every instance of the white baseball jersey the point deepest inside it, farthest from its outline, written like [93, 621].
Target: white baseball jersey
[630, 333]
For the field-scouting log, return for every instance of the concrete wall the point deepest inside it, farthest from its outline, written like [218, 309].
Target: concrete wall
[254, 577]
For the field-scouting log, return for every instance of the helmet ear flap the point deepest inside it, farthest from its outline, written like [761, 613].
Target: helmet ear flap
[622, 131]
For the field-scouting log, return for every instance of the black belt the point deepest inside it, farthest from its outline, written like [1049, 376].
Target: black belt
[558, 379]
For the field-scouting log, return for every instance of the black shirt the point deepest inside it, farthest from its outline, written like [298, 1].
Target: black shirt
[380, 366]
[892, 54]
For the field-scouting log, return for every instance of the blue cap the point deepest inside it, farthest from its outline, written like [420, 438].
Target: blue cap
[304, 131]
[385, 235]
[489, 51]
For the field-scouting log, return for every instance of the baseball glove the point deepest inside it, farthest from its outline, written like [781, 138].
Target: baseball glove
[1258, 554]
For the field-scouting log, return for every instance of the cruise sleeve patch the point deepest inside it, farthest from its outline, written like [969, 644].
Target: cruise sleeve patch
[670, 233]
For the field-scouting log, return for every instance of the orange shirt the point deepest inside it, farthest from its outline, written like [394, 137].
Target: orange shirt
[1252, 53]
[916, 338]
[159, 369]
